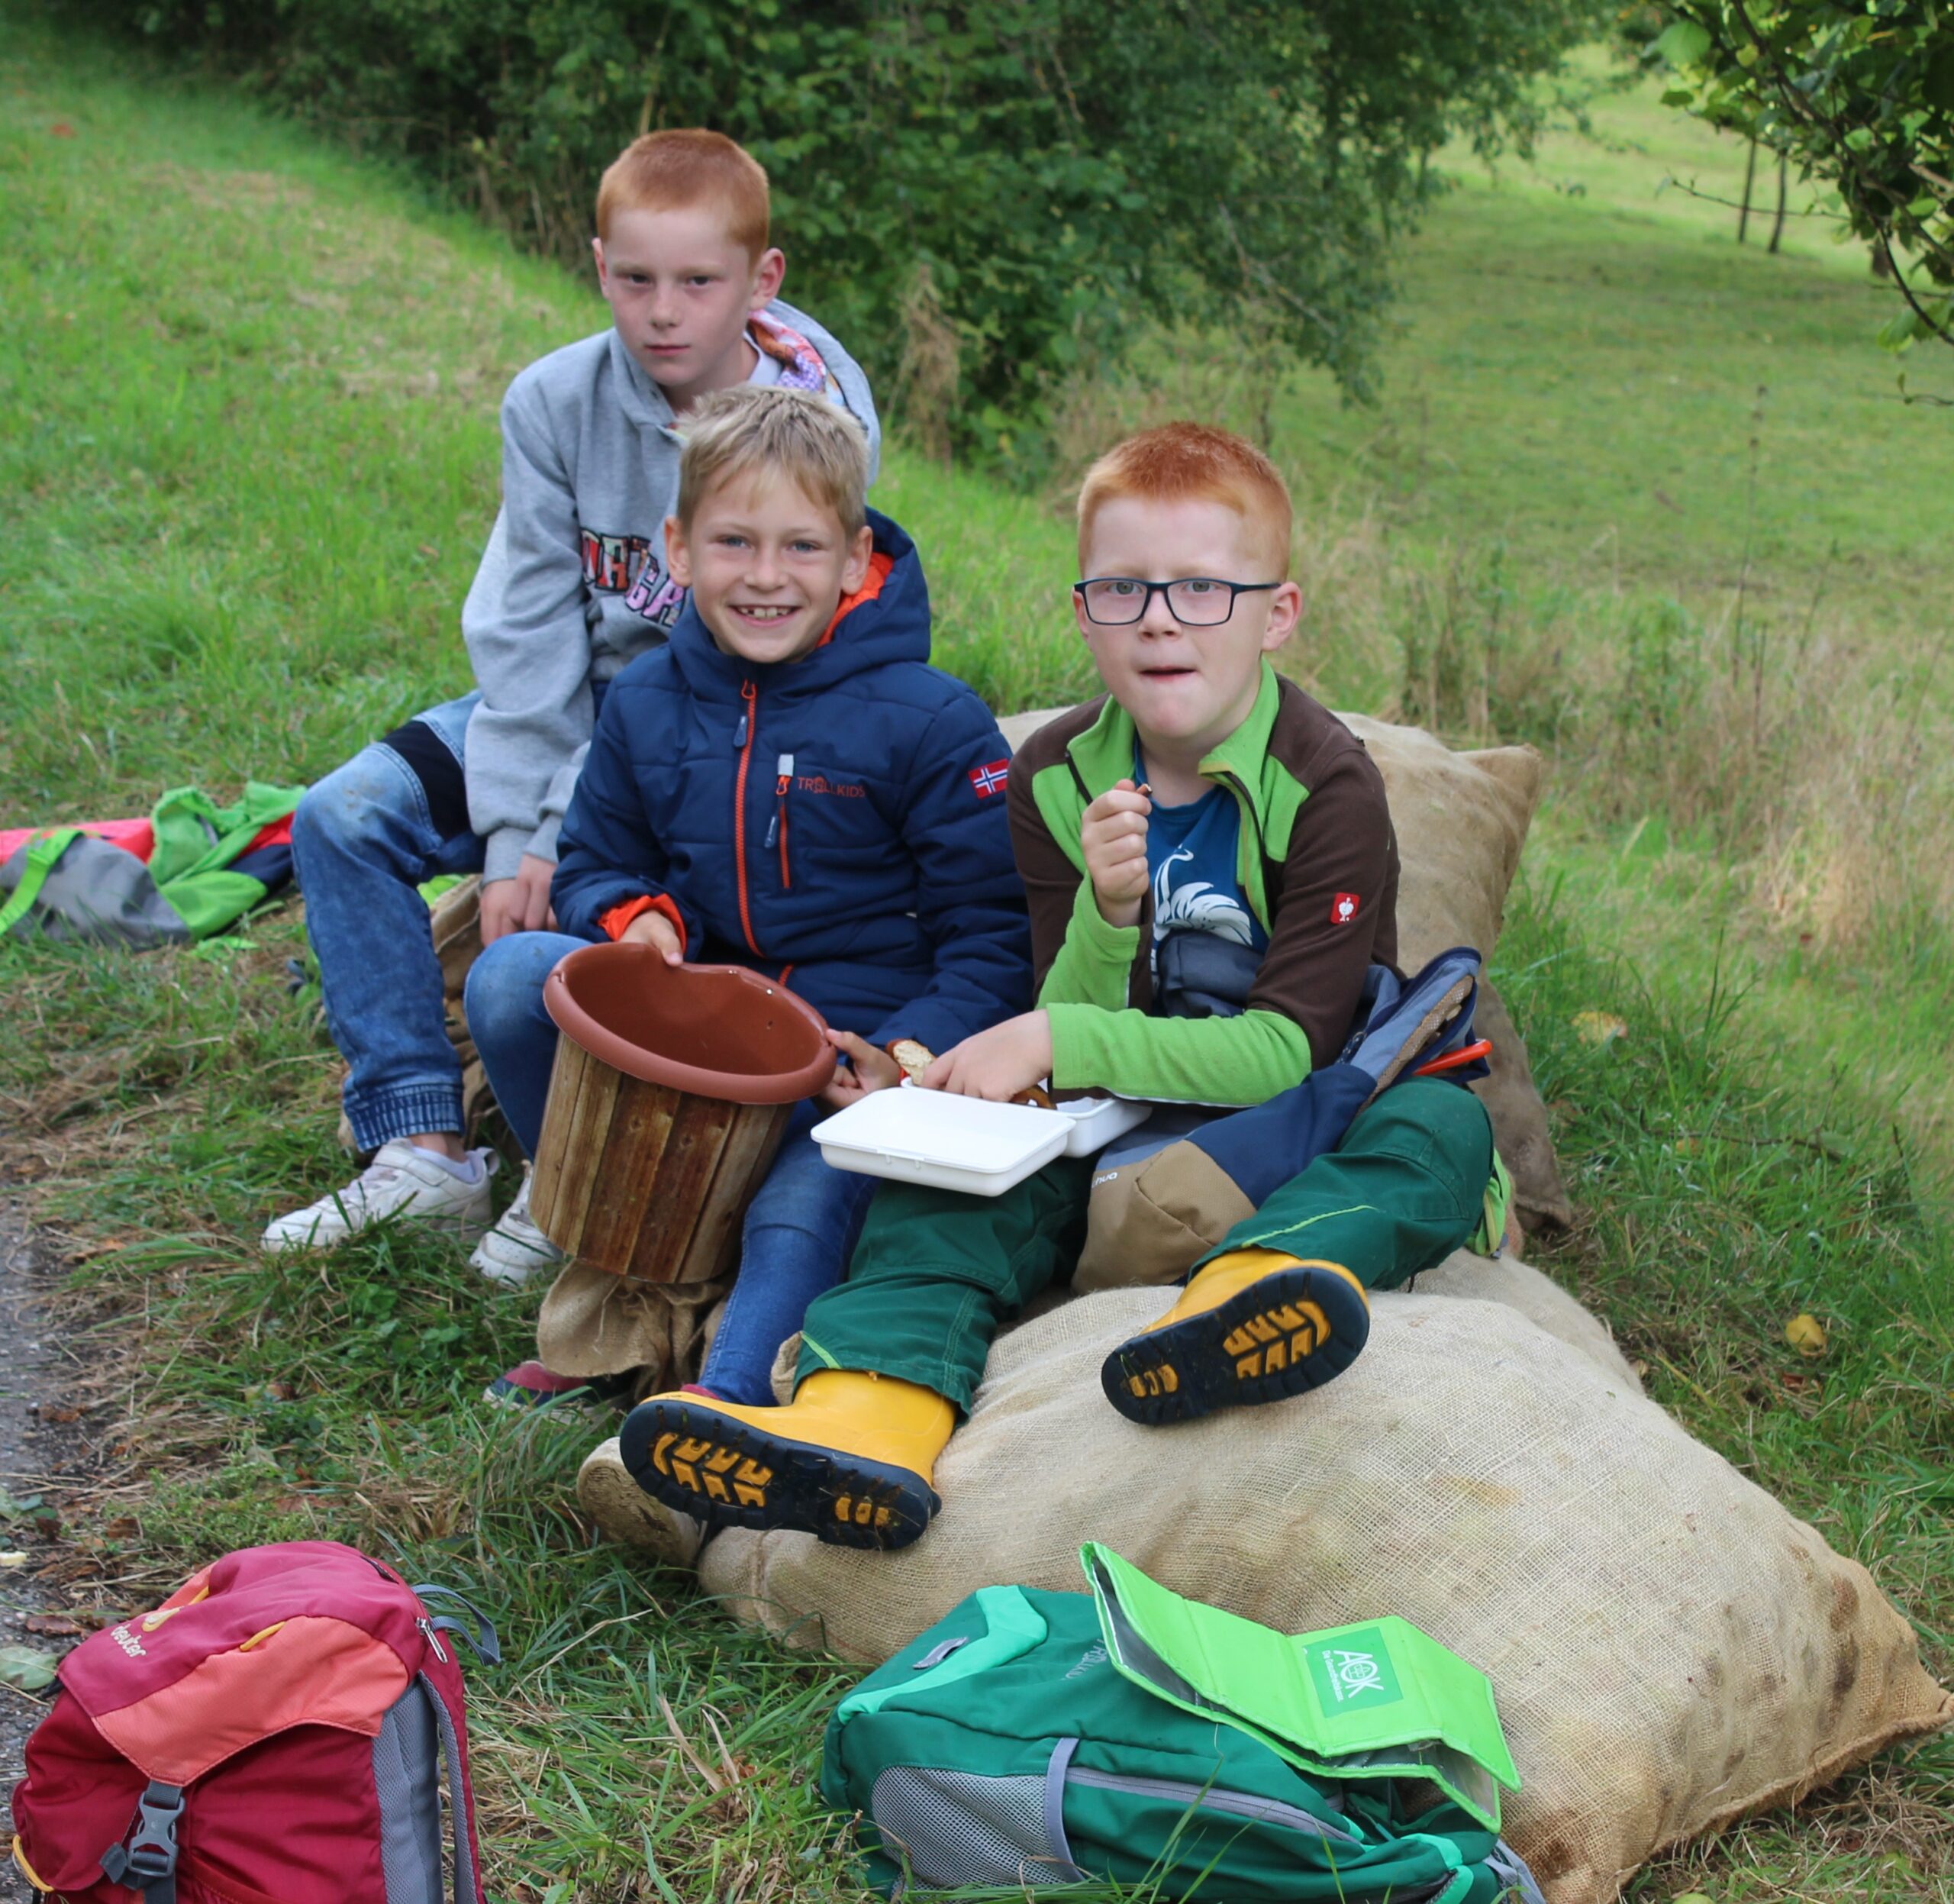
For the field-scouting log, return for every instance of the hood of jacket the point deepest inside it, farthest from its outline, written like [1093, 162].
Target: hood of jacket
[889, 620]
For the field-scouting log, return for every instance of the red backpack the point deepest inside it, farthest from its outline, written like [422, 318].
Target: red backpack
[272, 1734]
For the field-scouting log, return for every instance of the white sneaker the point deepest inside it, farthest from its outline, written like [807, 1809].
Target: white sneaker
[622, 1509]
[515, 1249]
[403, 1180]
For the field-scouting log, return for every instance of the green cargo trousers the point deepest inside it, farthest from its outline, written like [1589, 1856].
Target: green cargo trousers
[936, 1272]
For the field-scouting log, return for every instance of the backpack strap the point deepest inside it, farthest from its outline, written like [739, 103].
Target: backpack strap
[467, 1890]
[42, 855]
[1520, 1886]
[147, 1861]
[481, 1636]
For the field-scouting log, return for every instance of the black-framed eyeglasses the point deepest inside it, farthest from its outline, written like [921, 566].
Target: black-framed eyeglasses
[1198, 601]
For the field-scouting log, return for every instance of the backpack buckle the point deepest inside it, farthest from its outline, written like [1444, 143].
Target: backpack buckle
[149, 1858]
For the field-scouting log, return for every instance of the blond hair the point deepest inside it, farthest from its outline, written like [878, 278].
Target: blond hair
[761, 430]
[1183, 460]
[671, 171]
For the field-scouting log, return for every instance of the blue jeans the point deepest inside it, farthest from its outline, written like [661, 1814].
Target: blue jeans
[363, 840]
[800, 1228]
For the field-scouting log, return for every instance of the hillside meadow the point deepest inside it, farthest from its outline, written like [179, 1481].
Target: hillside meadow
[250, 460]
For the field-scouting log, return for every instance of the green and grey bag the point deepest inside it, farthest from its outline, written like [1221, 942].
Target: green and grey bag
[1038, 1740]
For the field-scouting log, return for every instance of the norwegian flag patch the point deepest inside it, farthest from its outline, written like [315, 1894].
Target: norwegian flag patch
[990, 778]
[1343, 908]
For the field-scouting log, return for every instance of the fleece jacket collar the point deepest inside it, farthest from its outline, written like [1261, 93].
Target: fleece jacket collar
[1103, 753]
[892, 624]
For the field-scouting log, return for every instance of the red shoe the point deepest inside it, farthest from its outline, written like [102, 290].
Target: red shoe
[529, 1385]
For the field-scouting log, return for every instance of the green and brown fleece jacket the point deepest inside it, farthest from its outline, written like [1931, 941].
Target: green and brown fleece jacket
[1318, 866]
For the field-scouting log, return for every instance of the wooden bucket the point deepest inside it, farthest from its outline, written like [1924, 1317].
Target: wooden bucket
[671, 1088]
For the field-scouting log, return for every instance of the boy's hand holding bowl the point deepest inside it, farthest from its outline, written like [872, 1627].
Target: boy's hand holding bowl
[655, 929]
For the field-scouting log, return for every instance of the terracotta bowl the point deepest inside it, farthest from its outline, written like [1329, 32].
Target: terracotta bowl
[671, 1088]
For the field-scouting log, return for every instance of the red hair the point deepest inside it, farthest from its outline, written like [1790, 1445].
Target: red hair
[1183, 461]
[666, 171]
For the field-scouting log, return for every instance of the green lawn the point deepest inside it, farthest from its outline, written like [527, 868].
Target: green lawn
[1585, 358]
[250, 460]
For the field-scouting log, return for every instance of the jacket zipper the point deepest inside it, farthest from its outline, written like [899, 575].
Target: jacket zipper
[1247, 807]
[777, 826]
[743, 739]
[1143, 959]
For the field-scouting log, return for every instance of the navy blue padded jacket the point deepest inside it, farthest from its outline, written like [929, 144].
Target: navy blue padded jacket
[838, 821]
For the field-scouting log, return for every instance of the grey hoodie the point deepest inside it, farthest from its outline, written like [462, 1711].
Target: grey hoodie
[572, 583]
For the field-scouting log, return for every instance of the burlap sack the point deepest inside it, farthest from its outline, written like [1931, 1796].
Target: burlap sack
[1462, 820]
[594, 1323]
[1519, 1286]
[1669, 1647]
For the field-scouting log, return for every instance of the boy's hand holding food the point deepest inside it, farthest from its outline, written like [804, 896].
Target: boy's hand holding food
[1113, 833]
[868, 1069]
[1000, 1063]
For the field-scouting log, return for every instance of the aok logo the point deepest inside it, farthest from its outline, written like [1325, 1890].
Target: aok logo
[1352, 1673]
[1354, 1670]
[128, 1642]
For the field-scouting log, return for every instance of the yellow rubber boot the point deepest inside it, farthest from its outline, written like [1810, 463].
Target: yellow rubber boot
[849, 1459]
[1252, 1326]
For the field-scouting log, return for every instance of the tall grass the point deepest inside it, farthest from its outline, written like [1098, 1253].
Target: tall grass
[1797, 746]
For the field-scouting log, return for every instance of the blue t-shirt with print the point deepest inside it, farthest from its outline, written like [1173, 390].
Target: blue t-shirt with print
[1191, 858]
[1190, 853]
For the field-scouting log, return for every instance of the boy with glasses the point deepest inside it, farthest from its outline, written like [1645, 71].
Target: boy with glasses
[1212, 872]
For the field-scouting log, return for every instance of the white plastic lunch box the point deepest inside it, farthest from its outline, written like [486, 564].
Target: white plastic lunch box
[916, 1136]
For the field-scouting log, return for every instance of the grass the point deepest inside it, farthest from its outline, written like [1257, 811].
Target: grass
[1586, 356]
[252, 452]
[251, 392]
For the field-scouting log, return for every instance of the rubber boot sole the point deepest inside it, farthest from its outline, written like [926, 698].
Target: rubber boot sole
[728, 1473]
[1291, 1330]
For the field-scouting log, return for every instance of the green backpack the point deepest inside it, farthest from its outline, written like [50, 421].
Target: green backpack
[1036, 1739]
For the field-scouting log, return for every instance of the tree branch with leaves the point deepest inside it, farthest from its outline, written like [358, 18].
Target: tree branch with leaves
[1858, 94]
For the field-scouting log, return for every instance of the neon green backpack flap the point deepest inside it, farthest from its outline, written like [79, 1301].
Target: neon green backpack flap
[1379, 1699]
[1007, 1747]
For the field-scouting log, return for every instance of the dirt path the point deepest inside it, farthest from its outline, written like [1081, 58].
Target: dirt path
[31, 1375]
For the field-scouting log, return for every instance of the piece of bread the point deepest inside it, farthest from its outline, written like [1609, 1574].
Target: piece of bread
[915, 1059]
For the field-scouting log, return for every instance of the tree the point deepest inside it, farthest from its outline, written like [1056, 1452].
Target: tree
[1042, 176]
[1857, 93]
